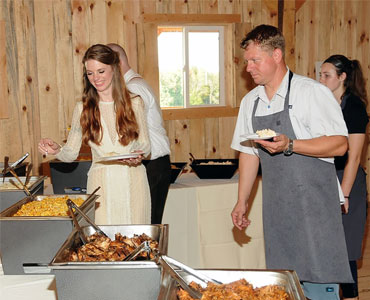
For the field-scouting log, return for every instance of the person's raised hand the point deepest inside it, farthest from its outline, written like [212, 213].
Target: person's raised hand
[48, 146]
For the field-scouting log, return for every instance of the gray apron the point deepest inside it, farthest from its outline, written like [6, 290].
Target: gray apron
[301, 212]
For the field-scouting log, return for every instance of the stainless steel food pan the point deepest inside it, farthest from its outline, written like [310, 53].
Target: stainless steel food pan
[258, 278]
[110, 280]
[11, 190]
[35, 239]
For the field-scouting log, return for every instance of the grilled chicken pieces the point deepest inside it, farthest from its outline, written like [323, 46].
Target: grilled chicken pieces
[237, 290]
[101, 248]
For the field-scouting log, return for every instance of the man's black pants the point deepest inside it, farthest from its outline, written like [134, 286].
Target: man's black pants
[159, 177]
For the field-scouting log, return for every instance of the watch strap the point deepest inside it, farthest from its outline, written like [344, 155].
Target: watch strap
[289, 150]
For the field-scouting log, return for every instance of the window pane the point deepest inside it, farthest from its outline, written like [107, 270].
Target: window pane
[170, 61]
[204, 79]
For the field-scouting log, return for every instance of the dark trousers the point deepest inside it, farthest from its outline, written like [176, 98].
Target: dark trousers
[159, 176]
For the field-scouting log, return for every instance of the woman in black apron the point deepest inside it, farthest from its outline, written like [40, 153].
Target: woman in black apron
[344, 78]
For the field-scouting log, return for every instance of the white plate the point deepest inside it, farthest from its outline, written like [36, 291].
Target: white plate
[255, 136]
[121, 156]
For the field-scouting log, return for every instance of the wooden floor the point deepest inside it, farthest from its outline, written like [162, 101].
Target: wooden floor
[364, 265]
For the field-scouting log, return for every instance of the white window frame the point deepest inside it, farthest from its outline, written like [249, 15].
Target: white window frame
[200, 28]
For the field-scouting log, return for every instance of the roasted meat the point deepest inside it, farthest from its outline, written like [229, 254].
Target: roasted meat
[101, 248]
[237, 290]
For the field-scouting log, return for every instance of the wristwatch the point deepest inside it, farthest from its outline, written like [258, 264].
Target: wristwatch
[289, 150]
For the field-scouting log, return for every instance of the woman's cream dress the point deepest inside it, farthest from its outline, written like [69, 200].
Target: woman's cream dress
[124, 194]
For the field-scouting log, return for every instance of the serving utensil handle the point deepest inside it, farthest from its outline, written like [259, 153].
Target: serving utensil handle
[144, 246]
[70, 203]
[193, 293]
[189, 270]
[11, 170]
[6, 165]
[19, 160]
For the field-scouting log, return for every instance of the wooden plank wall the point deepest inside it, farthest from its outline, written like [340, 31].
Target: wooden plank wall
[45, 42]
[3, 83]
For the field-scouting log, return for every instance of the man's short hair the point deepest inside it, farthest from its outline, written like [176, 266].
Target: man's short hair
[265, 36]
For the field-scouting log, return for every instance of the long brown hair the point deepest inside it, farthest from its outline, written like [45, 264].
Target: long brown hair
[354, 82]
[126, 125]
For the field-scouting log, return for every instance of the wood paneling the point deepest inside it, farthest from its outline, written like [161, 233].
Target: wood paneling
[4, 113]
[191, 18]
[245, 83]
[148, 55]
[46, 40]
[197, 137]
[199, 113]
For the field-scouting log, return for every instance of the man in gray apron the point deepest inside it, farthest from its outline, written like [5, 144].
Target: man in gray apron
[301, 195]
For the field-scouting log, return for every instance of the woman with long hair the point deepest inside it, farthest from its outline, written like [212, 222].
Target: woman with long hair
[345, 79]
[112, 122]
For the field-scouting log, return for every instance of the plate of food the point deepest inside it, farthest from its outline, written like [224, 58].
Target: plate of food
[264, 134]
[115, 156]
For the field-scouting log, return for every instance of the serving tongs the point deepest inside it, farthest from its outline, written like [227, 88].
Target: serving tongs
[28, 173]
[6, 165]
[24, 185]
[204, 278]
[8, 168]
[160, 260]
[166, 262]
[192, 158]
[144, 246]
[72, 205]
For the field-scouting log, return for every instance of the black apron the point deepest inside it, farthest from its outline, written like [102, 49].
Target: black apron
[302, 222]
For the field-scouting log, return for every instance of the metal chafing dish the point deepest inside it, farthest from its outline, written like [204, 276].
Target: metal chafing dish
[35, 239]
[258, 278]
[11, 190]
[122, 280]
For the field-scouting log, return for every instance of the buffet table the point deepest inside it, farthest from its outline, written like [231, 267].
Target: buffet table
[201, 233]
[27, 287]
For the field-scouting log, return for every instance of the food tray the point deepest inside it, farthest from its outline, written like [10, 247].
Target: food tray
[258, 278]
[68, 178]
[175, 172]
[10, 194]
[35, 239]
[214, 171]
[120, 280]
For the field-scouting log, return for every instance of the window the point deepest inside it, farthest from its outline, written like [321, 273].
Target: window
[191, 66]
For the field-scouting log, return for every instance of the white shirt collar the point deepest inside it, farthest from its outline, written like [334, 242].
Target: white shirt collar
[281, 91]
